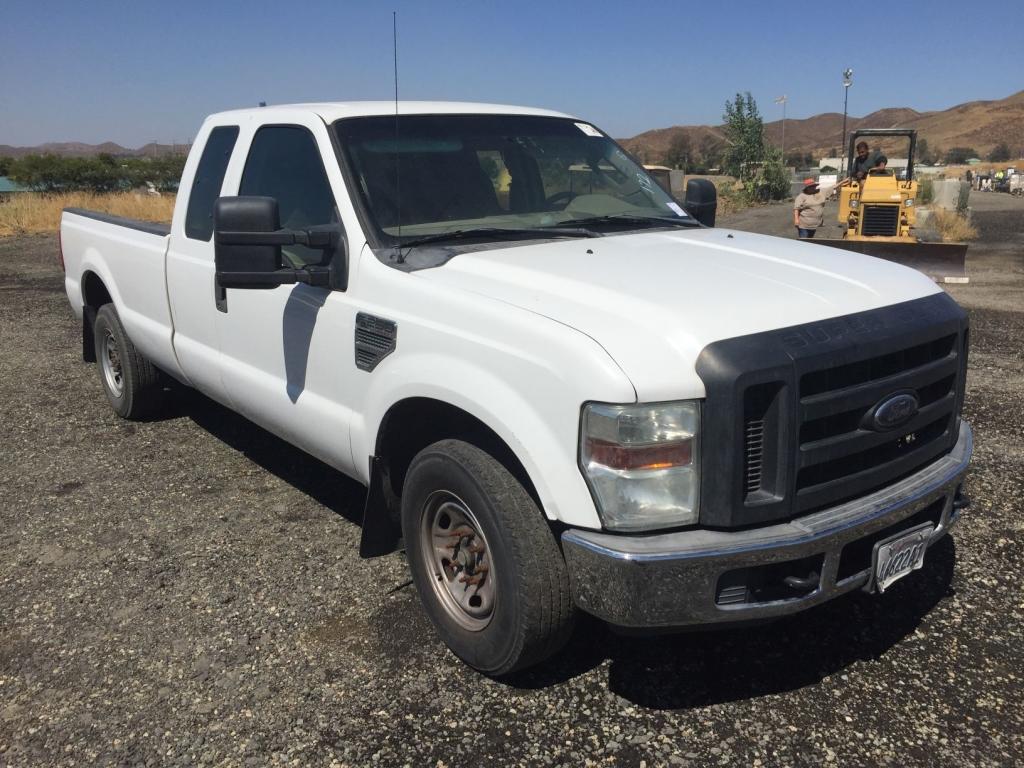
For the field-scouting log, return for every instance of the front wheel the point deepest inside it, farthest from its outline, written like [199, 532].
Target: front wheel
[485, 563]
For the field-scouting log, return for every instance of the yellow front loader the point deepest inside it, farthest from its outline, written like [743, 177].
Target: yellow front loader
[880, 213]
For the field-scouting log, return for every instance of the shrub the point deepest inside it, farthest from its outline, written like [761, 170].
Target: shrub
[952, 227]
[925, 192]
[102, 173]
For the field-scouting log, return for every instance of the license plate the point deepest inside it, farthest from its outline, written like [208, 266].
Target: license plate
[899, 555]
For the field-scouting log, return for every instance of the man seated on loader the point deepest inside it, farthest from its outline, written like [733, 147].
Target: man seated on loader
[866, 162]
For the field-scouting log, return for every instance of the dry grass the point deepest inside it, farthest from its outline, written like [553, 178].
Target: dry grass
[30, 212]
[953, 227]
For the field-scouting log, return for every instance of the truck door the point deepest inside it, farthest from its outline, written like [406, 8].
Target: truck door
[191, 286]
[287, 352]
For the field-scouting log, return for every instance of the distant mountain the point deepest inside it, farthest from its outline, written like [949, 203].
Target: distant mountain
[78, 149]
[977, 124]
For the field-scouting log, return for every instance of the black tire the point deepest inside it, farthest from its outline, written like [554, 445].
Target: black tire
[532, 611]
[118, 361]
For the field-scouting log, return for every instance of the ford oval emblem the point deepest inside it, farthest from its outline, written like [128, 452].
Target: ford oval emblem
[894, 411]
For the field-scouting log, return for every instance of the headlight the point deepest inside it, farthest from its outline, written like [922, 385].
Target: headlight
[908, 202]
[642, 463]
[854, 202]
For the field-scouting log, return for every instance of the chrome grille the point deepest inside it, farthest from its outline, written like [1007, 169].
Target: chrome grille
[841, 455]
[808, 416]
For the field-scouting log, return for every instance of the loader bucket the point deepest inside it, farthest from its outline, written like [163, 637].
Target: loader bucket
[943, 262]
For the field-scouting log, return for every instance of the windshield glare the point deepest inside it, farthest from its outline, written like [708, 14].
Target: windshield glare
[455, 172]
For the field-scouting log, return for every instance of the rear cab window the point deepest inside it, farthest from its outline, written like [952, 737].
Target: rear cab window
[207, 182]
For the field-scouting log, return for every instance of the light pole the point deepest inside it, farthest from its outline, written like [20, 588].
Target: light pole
[782, 100]
[847, 82]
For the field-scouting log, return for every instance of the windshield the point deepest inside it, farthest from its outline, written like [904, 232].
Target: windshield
[461, 173]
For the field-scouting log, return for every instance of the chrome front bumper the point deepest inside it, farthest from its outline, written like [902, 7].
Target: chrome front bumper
[697, 576]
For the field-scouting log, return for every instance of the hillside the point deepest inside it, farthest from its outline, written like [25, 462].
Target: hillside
[978, 124]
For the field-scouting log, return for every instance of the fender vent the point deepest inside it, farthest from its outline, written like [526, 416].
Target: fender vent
[375, 340]
[754, 454]
[762, 429]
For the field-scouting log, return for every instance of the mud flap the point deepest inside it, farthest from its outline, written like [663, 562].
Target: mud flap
[380, 534]
[943, 262]
[88, 334]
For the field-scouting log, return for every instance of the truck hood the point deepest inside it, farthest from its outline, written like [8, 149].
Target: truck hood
[654, 300]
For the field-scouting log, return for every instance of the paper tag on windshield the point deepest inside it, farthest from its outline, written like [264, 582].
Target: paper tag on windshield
[588, 129]
[675, 207]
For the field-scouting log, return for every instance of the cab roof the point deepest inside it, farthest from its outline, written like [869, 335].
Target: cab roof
[336, 110]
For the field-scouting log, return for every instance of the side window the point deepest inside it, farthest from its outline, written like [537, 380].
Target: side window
[284, 163]
[207, 182]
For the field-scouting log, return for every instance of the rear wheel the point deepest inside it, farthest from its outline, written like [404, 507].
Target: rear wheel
[130, 382]
[484, 561]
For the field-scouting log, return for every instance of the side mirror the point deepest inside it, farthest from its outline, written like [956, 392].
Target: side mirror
[701, 201]
[247, 245]
[240, 254]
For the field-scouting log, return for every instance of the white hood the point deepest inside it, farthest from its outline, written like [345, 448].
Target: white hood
[654, 300]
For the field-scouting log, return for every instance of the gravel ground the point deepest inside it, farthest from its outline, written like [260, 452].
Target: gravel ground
[187, 592]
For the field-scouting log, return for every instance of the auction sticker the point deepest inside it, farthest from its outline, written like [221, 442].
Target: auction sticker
[588, 129]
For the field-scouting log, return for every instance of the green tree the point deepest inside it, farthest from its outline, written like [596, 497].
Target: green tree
[923, 152]
[103, 173]
[45, 173]
[771, 180]
[799, 159]
[1000, 153]
[710, 152]
[679, 152]
[744, 131]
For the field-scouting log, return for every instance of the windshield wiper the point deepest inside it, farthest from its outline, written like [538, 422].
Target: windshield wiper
[499, 233]
[631, 220]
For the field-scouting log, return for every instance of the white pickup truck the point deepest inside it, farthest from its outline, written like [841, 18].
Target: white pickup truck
[564, 389]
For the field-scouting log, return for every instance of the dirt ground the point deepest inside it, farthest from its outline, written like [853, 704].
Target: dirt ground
[187, 591]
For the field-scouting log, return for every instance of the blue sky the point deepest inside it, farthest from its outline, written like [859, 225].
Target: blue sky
[132, 72]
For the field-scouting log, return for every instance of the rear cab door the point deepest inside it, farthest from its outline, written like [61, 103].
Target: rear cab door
[191, 283]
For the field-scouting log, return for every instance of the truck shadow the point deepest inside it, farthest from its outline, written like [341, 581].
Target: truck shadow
[700, 668]
[324, 484]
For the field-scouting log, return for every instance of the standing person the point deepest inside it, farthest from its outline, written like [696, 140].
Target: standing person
[809, 209]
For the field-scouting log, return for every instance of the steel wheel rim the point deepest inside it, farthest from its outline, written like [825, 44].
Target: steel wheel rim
[110, 359]
[458, 561]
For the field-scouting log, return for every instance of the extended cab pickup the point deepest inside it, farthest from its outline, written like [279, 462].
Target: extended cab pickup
[563, 389]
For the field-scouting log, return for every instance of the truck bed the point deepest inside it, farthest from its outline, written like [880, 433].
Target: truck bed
[127, 258]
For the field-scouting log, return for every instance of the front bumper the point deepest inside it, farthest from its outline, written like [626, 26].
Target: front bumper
[706, 577]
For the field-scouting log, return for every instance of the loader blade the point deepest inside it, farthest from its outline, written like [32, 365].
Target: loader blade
[943, 262]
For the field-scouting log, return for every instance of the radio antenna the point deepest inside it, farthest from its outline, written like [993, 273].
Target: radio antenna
[398, 173]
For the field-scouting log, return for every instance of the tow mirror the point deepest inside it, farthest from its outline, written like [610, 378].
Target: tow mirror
[247, 246]
[701, 201]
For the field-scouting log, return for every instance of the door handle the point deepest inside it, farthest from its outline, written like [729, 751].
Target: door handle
[220, 295]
